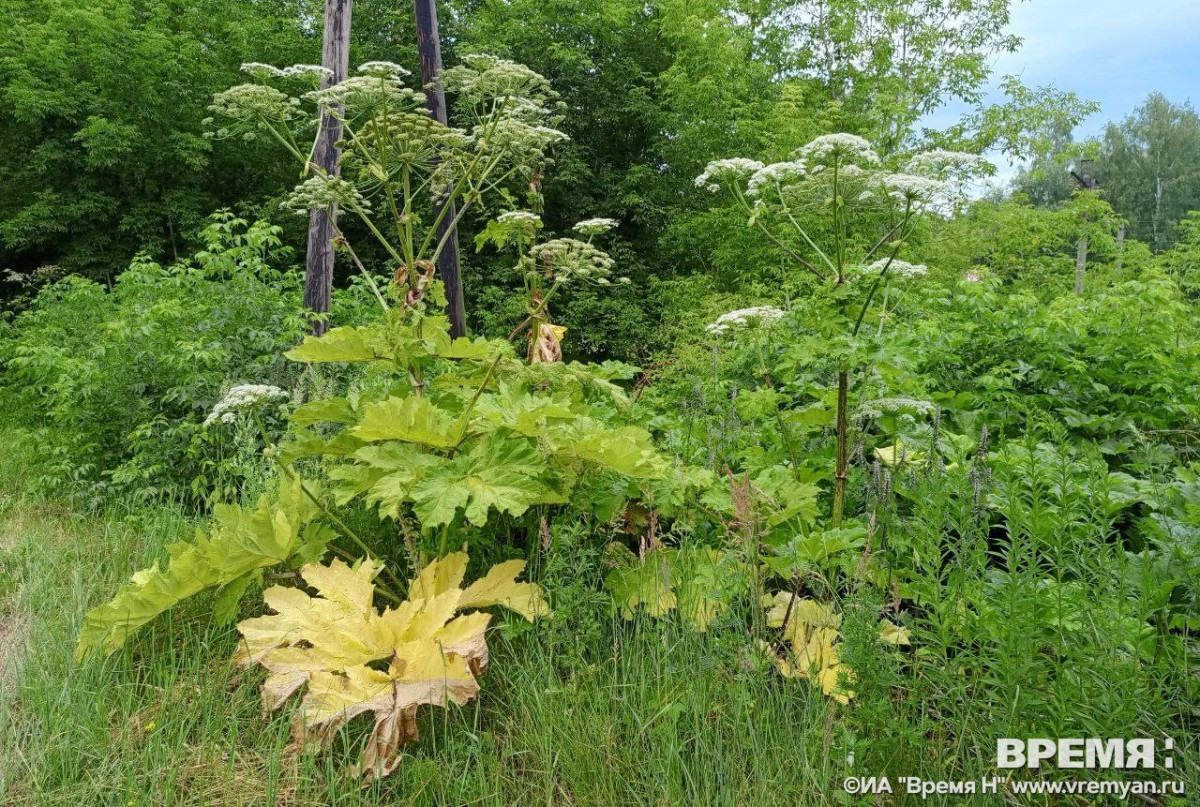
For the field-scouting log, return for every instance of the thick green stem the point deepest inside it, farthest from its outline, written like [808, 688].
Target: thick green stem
[839, 477]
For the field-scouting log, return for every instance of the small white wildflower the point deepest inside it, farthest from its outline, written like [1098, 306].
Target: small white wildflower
[898, 268]
[595, 226]
[775, 174]
[243, 396]
[842, 146]
[734, 169]
[733, 319]
[973, 277]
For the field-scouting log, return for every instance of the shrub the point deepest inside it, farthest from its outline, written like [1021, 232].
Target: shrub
[114, 384]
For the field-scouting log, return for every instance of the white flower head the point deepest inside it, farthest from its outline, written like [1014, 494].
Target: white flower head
[519, 217]
[595, 226]
[383, 70]
[940, 162]
[306, 71]
[496, 82]
[743, 316]
[249, 106]
[775, 174]
[323, 192]
[568, 260]
[243, 397]
[523, 222]
[898, 268]
[734, 169]
[261, 71]
[365, 93]
[876, 409]
[913, 188]
[842, 147]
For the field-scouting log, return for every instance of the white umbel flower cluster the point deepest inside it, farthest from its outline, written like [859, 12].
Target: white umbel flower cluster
[940, 162]
[323, 192]
[739, 318]
[913, 188]
[519, 217]
[898, 268]
[595, 226]
[263, 72]
[383, 70]
[242, 397]
[734, 169]
[877, 408]
[569, 261]
[775, 174]
[842, 146]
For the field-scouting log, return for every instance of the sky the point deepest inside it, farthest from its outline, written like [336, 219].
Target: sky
[1115, 52]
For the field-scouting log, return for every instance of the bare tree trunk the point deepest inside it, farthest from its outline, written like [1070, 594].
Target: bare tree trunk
[430, 46]
[1081, 256]
[318, 272]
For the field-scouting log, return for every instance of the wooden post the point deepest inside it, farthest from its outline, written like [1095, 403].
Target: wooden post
[430, 47]
[1087, 182]
[1081, 256]
[318, 269]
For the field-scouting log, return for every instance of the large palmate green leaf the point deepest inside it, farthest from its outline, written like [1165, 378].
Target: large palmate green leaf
[412, 419]
[341, 345]
[241, 543]
[627, 451]
[501, 472]
[329, 410]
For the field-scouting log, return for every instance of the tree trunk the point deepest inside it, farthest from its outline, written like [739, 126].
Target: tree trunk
[1081, 256]
[318, 272]
[430, 47]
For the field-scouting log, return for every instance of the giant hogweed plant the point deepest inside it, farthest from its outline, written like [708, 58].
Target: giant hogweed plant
[842, 219]
[401, 172]
[444, 437]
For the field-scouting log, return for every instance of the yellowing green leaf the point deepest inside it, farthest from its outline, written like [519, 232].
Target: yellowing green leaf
[356, 660]
[808, 642]
[894, 634]
[241, 541]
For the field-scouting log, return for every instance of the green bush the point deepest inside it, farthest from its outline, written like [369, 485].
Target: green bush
[115, 383]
